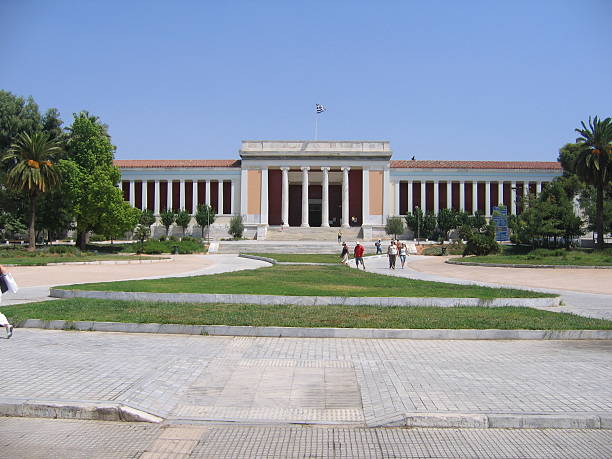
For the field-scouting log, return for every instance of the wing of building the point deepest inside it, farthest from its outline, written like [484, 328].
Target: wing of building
[282, 184]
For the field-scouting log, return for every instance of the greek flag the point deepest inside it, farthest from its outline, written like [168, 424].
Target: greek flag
[320, 108]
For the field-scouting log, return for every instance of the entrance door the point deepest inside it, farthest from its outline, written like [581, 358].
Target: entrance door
[314, 212]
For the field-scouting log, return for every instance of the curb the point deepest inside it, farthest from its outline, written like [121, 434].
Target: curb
[503, 265]
[305, 300]
[495, 421]
[101, 262]
[274, 262]
[92, 411]
[304, 332]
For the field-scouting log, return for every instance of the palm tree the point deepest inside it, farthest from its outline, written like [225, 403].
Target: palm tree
[594, 164]
[33, 172]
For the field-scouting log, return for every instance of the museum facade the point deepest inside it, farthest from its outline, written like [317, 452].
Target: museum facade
[328, 184]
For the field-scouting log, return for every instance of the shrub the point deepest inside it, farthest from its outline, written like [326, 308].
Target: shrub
[97, 238]
[482, 243]
[236, 227]
[154, 247]
[64, 249]
[394, 226]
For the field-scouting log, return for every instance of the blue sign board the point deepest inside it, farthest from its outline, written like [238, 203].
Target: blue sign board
[500, 217]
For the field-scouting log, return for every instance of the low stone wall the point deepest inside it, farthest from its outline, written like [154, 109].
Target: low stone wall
[517, 265]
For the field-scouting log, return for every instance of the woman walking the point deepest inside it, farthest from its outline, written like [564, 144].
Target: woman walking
[402, 254]
[345, 254]
[7, 283]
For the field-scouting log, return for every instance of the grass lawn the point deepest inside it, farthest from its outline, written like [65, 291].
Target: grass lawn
[302, 257]
[309, 281]
[54, 258]
[548, 257]
[302, 316]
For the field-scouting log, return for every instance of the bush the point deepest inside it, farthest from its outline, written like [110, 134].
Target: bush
[153, 247]
[236, 227]
[482, 243]
[63, 249]
[96, 238]
[394, 226]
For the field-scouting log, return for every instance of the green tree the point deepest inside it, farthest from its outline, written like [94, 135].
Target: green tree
[183, 219]
[10, 225]
[205, 216]
[118, 218]
[147, 218]
[414, 221]
[167, 217]
[594, 165]
[33, 173]
[394, 226]
[93, 177]
[447, 220]
[141, 233]
[236, 227]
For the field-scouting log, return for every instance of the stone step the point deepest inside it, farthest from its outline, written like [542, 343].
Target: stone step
[297, 247]
[276, 233]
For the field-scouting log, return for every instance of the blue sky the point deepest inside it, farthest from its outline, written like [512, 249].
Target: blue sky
[470, 80]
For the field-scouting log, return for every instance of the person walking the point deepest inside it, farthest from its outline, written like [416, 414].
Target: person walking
[402, 254]
[345, 254]
[359, 251]
[339, 236]
[392, 254]
[378, 245]
[7, 283]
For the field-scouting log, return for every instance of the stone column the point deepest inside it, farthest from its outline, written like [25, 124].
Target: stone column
[285, 197]
[157, 198]
[474, 197]
[182, 195]
[525, 190]
[538, 187]
[488, 199]
[207, 190]
[423, 199]
[132, 193]
[410, 203]
[145, 196]
[194, 197]
[396, 200]
[462, 196]
[513, 197]
[264, 196]
[220, 197]
[345, 197]
[169, 195]
[436, 197]
[449, 195]
[305, 196]
[325, 200]
[232, 196]
[500, 194]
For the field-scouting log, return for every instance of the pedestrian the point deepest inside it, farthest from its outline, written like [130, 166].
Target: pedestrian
[378, 245]
[359, 251]
[7, 283]
[402, 253]
[345, 254]
[392, 254]
[339, 236]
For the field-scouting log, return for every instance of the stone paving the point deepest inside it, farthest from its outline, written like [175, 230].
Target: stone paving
[44, 438]
[278, 380]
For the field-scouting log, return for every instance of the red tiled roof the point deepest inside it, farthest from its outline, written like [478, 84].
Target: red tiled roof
[159, 163]
[427, 164]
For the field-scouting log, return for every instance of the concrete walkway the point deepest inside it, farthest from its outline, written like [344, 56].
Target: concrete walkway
[573, 285]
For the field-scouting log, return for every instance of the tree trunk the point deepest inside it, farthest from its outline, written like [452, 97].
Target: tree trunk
[31, 229]
[82, 240]
[599, 216]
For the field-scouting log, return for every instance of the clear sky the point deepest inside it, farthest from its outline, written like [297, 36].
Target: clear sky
[470, 80]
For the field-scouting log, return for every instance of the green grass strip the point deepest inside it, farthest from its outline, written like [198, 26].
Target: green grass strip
[572, 258]
[507, 318]
[302, 257]
[296, 280]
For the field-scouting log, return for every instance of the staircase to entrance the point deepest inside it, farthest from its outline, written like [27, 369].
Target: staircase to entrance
[297, 233]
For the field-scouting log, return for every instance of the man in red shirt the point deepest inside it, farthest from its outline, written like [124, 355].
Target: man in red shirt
[359, 251]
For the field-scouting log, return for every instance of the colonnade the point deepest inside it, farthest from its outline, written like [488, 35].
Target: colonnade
[195, 198]
[462, 187]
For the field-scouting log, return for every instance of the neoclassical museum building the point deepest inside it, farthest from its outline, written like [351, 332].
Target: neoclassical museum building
[277, 185]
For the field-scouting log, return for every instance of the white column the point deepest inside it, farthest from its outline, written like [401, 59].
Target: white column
[232, 196]
[423, 200]
[264, 196]
[145, 195]
[449, 194]
[305, 196]
[462, 196]
[474, 197]
[325, 201]
[513, 198]
[525, 189]
[220, 196]
[410, 196]
[169, 195]
[436, 197]
[182, 195]
[157, 198]
[500, 193]
[345, 197]
[285, 197]
[488, 199]
[396, 200]
[538, 187]
[243, 193]
[194, 197]
[132, 193]
[207, 189]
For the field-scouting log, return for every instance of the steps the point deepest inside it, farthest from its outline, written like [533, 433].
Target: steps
[289, 247]
[296, 233]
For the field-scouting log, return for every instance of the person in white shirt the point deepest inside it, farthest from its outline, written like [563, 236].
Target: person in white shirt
[7, 283]
[402, 253]
[392, 254]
